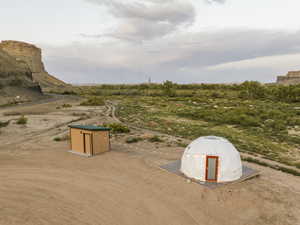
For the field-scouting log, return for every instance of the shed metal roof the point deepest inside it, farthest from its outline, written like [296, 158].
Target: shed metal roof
[88, 127]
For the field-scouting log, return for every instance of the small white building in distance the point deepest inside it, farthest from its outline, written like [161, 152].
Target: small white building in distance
[211, 159]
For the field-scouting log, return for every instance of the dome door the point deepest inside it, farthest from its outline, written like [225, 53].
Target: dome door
[212, 163]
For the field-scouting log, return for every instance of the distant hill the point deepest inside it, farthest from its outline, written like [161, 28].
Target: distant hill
[32, 56]
[293, 77]
[16, 81]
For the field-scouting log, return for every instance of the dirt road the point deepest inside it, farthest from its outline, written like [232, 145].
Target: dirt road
[41, 183]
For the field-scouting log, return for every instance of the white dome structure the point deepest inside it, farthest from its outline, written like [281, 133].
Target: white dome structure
[212, 159]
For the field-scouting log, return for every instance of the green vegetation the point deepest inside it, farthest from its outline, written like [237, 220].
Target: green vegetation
[65, 105]
[4, 124]
[62, 138]
[57, 139]
[263, 130]
[93, 101]
[16, 82]
[22, 120]
[12, 113]
[169, 89]
[257, 119]
[117, 128]
[276, 167]
[130, 140]
[182, 145]
[12, 103]
[80, 114]
[155, 139]
[68, 92]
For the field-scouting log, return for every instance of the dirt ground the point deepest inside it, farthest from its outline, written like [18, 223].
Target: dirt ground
[42, 183]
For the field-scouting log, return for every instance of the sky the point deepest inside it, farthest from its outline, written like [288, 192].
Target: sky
[185, 41]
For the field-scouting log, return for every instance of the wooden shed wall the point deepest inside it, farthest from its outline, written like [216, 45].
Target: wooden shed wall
[100, 142]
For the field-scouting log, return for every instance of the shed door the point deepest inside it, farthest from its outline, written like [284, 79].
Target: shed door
[212, 168]
[87, 141]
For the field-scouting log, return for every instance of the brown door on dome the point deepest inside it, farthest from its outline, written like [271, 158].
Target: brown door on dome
[212, 163]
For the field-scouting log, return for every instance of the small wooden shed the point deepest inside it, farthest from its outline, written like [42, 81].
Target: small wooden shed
[89, 140]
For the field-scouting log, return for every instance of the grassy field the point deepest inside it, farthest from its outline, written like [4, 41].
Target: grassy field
[257, 119]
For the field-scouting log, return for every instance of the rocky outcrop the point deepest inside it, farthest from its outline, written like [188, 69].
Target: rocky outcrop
[293, 77]
[32, 56]
[16, 81]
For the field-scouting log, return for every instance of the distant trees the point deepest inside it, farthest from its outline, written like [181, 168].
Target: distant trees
[252, 90]
[249, 90]
[287, 93]
[255, 90]
[169, 88]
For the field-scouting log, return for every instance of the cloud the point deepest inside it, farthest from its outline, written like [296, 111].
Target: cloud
[228, 55]
[148, 19]
[212, 48]
[277, 62]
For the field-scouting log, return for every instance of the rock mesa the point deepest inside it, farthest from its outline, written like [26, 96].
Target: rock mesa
[293, 77]
[32, 56]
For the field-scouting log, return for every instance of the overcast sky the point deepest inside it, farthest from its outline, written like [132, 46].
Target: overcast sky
[128, 41]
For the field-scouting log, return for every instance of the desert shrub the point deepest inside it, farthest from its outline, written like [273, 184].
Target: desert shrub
[252, 90]
[155, 139]
[127, 92]
[287, 170]
[181, 144]
[11, 103]
[98, 92]
[169, 88]
[62, 138]
[144, 86]
[248, 121]
[66, 105]
[57, 139]
[297, 165]
[15, 82]
[69, 93]
[79, 114]
[293, 139]
[216, 94]
[130, 140]
[12, 113]
[4, 124]
[240, 116]
[276, 167]
[22, 120]
[93, 101]
[289, 93]
[253, 160]
[117, 128]
[275, 125]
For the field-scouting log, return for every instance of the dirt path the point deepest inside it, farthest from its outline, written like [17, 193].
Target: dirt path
[41, 183]
[47, 98]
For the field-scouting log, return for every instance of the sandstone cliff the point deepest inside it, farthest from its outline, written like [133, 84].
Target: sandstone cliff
[293, 77]
[16, 81]
[32, 56]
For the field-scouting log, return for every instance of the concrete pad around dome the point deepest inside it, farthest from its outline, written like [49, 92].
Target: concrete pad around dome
[174, 167]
